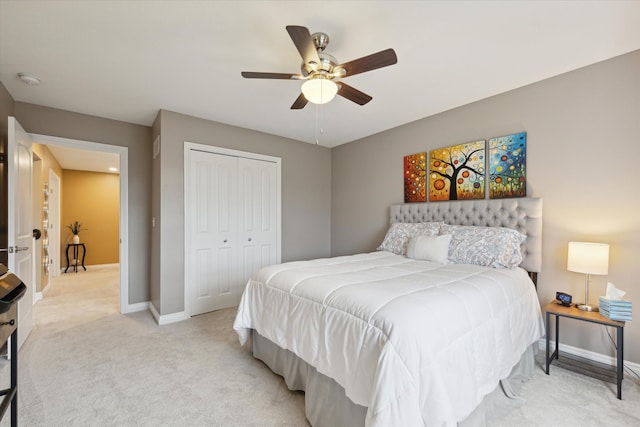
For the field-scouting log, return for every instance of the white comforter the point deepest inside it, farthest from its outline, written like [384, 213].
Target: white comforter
[417, 343]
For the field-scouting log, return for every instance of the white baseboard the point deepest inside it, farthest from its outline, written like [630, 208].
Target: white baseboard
[586, 354]
[115, 264]
[167, 318]
[88, 267]
[133, 308]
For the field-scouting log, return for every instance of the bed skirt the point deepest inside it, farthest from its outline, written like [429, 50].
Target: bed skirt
[326, 404]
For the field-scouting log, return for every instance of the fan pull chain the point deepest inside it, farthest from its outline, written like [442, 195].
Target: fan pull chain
[319, 122]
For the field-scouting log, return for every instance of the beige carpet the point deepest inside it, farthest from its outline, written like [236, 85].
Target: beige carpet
[86, 365]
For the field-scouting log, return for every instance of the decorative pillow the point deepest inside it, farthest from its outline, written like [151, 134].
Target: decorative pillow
[429, 248]
[399, 234]
[488, 246]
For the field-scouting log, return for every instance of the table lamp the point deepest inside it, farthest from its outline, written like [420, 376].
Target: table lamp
[588, 258]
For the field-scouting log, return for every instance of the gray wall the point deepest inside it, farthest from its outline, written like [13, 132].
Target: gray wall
[65, 124]
[306, 196]
[7, 106]
[583, 132]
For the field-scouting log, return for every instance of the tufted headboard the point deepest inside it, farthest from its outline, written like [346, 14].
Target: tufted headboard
[521, 214]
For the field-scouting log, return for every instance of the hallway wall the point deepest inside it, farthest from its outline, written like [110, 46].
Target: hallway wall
[47, 162]
[93, 199]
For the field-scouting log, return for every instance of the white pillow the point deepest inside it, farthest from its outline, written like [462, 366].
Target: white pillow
[399, 234]
[429, 248]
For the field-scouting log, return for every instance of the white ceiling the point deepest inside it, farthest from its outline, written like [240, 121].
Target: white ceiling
[76, 159]
[125, 60]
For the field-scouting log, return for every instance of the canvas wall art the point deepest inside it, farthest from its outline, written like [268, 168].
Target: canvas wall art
[415, 178]
[507, 166]
[457, 172]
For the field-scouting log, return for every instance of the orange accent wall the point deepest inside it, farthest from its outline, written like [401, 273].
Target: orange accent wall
[93, 199]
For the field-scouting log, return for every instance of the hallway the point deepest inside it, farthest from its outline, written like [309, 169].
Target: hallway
[77, 298]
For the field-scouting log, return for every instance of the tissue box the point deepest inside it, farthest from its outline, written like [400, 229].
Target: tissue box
[615, 309]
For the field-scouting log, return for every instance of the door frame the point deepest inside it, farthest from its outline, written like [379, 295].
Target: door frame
[54, 218]
[188, 146]
[124, 200]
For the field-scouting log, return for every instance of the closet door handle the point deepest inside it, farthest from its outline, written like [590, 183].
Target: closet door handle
[225, 241]
[249, 238]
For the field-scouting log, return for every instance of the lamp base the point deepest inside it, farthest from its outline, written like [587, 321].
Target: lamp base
[587, 307]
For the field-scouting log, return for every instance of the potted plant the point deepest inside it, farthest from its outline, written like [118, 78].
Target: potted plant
[75, 228]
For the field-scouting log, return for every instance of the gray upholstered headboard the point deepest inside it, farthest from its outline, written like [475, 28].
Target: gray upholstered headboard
[522, 214]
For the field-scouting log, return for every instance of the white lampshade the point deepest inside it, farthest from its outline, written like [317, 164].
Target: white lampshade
[589, 258]
[319, 90]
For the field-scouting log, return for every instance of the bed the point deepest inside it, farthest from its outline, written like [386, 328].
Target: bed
[394, 338]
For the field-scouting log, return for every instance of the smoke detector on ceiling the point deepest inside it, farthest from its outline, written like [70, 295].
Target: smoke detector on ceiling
[30, 80]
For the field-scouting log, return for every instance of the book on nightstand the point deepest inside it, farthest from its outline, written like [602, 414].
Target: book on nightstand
[615, 309]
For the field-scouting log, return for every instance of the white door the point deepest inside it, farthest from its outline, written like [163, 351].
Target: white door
[232, 226]
[258, 215]
[212, 258]
[20, 229]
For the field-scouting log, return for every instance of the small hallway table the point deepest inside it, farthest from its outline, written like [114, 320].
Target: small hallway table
[76, 249]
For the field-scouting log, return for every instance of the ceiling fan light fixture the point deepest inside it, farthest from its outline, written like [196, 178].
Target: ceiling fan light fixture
[319, 90]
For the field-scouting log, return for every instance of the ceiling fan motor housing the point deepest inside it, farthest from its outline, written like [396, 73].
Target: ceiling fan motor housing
[327, 66]
[327, 62]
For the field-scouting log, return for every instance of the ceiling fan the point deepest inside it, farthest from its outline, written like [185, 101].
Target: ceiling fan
[319, 70]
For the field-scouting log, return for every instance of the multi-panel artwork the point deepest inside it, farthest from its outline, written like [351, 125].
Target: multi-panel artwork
[507, 166]
[459, 172]
[415, 178]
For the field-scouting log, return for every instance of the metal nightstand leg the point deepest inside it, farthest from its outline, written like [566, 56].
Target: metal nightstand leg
[546, 370]
[555, 354]
[620, 362]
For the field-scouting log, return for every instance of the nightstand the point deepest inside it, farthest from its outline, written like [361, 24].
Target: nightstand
[583, 366]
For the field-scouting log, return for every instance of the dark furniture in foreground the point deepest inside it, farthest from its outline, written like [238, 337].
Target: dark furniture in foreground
[11, 290]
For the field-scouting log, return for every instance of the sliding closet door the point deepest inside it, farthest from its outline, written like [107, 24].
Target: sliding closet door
[213, 258]
[257, 215]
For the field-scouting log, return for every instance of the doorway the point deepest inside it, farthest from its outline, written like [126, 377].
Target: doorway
[94, 147]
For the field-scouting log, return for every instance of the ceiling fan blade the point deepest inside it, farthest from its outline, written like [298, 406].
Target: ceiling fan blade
[353, 94]
[304, 43]
[253, 75]
[380, 59]
[299, 103]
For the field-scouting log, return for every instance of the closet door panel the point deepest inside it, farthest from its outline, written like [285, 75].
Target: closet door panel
[258, 227]
[213, 252]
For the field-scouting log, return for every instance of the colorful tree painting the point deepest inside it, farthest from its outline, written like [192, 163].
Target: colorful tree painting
[415, 178]
[457, 172]
[507, 166]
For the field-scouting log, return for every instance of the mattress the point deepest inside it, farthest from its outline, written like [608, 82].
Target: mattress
[415, 342]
